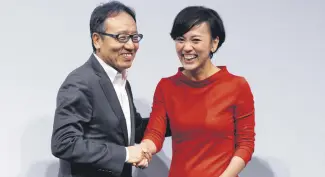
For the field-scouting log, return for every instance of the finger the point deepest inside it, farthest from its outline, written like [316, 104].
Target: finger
[142, 163]
[148, 156]
[138, 165]
[138, 162]
[144, 149]
[141, 156]
[145, 164]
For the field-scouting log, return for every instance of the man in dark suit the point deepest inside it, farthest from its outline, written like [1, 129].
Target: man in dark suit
[96, 123]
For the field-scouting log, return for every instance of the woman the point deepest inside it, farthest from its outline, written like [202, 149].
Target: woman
[211, 111]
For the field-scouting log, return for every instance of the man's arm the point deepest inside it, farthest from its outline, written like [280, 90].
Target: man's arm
[73, 112]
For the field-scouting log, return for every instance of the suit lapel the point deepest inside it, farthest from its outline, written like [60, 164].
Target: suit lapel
[110, 94]
[132, 140]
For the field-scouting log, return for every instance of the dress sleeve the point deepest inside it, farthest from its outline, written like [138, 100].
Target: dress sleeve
[245, 122]
[157, 124]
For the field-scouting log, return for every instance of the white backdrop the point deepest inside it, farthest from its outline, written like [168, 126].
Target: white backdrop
[278, 45]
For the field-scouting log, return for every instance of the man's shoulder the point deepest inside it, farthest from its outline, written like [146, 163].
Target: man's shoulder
[83, 74]
[83, 71]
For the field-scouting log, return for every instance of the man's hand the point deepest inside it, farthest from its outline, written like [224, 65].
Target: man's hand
[142, 164]
[147, 157]
[147, 153]
[136, 154]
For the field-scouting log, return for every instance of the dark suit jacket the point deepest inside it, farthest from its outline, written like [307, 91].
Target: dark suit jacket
[89, 132]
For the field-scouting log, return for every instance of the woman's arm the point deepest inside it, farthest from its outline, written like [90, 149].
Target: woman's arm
[236, 165]
[156, 128]
[244, 131]
[154, 135]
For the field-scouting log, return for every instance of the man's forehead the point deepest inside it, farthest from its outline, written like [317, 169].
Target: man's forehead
[121, 16]
[122, 28]
[121, 22]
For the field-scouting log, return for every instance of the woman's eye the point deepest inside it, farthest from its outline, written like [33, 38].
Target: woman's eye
[196, 41]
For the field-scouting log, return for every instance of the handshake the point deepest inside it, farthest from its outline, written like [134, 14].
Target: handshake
[139, 155]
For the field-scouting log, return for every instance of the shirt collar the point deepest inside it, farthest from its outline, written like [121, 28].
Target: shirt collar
[115, 76]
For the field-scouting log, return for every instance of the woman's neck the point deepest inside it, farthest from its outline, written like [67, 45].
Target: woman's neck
[202, 72]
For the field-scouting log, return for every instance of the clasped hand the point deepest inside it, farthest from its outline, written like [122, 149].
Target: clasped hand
[139, 156]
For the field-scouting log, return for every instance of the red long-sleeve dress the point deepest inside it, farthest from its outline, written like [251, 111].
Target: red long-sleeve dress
[211, 121]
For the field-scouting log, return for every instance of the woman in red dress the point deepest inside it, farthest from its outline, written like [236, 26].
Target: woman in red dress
[211, 111]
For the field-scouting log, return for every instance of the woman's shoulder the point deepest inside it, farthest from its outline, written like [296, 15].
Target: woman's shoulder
[236, 79]
[169, 82]
[239, 83]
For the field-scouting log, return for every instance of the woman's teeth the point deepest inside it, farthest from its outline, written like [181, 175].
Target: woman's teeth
[189, 57]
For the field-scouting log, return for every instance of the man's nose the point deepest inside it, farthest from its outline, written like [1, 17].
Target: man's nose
[129, 44]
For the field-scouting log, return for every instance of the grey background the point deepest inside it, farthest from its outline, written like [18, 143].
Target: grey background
[278, 45]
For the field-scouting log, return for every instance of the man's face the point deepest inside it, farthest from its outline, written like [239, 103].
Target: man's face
[117, 54]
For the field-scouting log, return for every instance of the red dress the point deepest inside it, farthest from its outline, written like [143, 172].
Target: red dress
[211, 121]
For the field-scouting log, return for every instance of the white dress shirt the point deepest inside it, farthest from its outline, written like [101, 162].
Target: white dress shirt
[119, 80]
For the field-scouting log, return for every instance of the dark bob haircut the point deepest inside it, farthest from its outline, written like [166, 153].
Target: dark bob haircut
[104, 11]
[195, 15]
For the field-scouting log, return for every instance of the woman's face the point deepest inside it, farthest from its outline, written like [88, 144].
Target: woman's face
[194, 47]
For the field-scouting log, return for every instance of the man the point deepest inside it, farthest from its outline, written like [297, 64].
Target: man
[96, 123]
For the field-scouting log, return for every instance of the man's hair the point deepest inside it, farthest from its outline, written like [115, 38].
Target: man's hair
[104, 11]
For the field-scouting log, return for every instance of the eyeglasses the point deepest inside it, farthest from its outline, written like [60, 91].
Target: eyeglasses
[124, 38]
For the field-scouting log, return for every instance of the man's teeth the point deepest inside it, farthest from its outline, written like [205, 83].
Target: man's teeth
[127, 54]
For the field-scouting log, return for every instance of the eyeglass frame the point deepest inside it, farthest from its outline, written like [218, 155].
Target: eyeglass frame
[116, 36]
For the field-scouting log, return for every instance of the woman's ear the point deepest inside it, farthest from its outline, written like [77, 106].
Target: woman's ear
[215, 43]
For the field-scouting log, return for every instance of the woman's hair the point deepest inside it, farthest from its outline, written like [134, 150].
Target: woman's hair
[195, 15]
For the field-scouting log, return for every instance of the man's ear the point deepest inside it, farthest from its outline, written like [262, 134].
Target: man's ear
[97, 40]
